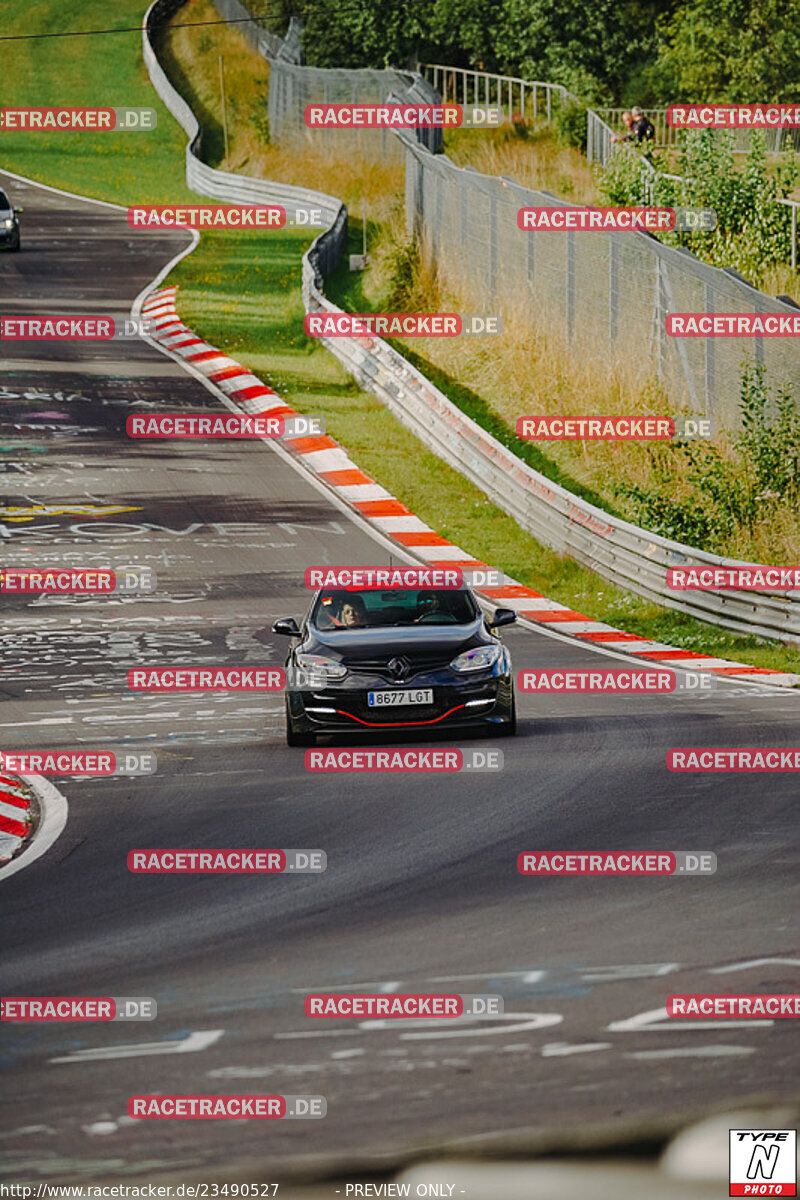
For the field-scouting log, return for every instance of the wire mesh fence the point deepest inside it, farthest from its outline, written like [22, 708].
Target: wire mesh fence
[601, 293]
[294, 87]
[287, 48]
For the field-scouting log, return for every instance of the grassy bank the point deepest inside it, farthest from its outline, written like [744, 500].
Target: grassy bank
[92, 71]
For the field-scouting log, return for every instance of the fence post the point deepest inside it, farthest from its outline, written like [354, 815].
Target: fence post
[613, 288]
[493, 238]
[710, 363]
[570, 288]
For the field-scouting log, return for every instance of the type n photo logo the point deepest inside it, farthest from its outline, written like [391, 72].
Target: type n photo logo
[763, 1162]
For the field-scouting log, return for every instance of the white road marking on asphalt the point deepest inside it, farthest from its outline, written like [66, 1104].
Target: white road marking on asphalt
[45, 721]
[200, 1040]
[562, 1049]
[524, 1023]
[522, 976]
[628, 971]
[755, 962]
[657, 1019]
[693, 1052]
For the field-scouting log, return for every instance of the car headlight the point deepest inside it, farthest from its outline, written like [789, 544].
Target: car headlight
[8, 223]
[318, 668]
[478, 659]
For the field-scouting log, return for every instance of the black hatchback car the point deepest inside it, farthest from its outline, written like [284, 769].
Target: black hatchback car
[368, 660]
[9, 223]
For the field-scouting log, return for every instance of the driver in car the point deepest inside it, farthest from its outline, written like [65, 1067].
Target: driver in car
[432, 605]
[352, 613]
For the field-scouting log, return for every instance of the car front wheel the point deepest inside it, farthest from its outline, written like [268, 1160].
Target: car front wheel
[509, 729]
[293, 736]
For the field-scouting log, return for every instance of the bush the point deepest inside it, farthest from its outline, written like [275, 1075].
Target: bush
[756, 484]
[753, 231]
[570, 124]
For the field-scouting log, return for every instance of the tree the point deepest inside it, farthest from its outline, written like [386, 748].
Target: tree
[741, 51]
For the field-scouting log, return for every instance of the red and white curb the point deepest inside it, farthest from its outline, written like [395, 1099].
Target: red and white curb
[385, 513]
[15, 816]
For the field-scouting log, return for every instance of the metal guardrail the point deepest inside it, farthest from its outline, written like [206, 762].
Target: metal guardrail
[208, 181]
[617, 550]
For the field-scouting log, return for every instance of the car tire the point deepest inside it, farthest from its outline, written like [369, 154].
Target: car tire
[510, 727]
[294, 737]
[16, 245]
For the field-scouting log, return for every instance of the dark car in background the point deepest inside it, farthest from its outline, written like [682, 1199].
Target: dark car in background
[415, 659]
[9, 223]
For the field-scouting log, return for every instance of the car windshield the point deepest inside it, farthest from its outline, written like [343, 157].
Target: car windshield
[373, 609]
[4, 201]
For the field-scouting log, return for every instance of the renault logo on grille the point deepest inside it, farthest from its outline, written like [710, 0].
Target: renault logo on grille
[398, 667]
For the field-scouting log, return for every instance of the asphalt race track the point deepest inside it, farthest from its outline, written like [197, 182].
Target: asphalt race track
[421, 885]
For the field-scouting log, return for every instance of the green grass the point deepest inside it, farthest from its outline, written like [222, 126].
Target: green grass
[93, 72]
[242, 293]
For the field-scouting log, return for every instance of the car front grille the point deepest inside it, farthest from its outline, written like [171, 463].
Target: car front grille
[417, 664]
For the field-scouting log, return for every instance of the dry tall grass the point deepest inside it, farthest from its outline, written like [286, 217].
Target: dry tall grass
[538, 160]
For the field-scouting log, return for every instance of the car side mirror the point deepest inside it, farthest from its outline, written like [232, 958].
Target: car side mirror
[287, 626]
[502, 616]
[17, 211]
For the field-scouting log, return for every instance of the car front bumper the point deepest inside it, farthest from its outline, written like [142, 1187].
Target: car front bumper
[488, 701]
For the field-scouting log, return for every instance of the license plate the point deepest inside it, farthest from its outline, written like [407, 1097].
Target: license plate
[400, 699]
